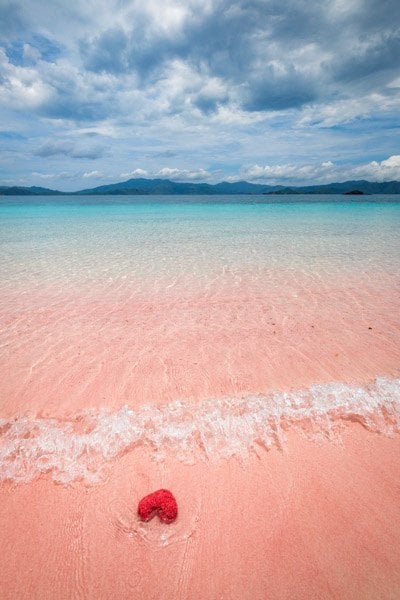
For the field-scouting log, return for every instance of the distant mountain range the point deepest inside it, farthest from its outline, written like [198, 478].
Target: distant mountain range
[134, 187]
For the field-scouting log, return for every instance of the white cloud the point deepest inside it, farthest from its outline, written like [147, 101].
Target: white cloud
[44, 175]
[288, 172]
[325, 172]
[73, 148]
[49, 176]
[347, 110]
[176, 174]
[386, 170]
[168, 17]
[137, 173]
[21, 88]
[93, 175]
[30, 53]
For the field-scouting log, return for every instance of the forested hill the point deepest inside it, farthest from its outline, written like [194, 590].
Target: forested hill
[167, 187]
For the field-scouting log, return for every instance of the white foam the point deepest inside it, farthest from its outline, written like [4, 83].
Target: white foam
[80, 447]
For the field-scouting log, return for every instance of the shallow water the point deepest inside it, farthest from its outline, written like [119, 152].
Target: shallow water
[113, 302]
[80, 448]
[152, 242]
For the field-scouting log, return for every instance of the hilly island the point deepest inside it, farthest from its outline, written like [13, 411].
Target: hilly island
[140, 187]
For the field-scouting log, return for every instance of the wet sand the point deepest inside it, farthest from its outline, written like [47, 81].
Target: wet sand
[319, 520]
[97, 347]
[317, 516]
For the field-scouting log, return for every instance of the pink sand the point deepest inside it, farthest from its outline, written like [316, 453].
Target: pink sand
[60, 353]
[316, 520]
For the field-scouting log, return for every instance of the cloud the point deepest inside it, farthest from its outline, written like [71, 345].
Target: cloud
[225, 44]
[378, 54]
[74, 96]
[93, 175]
[34, 48]
[137, 173]
[324, 172]
[251, 54]
[215, 83]
[21, 88]
[107, 52]
[43, 175]
[350, 110]
[279, 89]
[138, 51]
[68, 148]
[386, 170]
[266, 56]
[163, 154]
[64, 175]
[284, 173]
[12, 20]
[175, 174]
[172, 173]
[56, 90]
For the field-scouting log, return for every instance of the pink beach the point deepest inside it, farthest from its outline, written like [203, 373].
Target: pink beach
[264, 395]
[199, 300]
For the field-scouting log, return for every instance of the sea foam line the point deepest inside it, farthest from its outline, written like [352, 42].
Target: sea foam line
[80, 447]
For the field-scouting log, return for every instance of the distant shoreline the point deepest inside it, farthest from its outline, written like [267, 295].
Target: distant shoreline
[165, 187]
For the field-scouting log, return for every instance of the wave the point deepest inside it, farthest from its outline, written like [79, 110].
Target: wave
[80, 447]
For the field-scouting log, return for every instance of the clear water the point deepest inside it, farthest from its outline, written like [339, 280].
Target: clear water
[236, 308]
[76, 238]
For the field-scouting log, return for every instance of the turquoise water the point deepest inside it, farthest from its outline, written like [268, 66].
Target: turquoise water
[68, 239]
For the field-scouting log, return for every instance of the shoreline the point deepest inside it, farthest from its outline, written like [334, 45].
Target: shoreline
[85, 446]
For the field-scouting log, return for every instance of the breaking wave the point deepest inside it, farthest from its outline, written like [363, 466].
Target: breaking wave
[78, 448]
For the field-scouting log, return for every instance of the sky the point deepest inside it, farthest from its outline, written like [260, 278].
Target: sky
[278, 92]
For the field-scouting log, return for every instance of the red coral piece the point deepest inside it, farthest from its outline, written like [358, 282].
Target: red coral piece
[161, 503]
